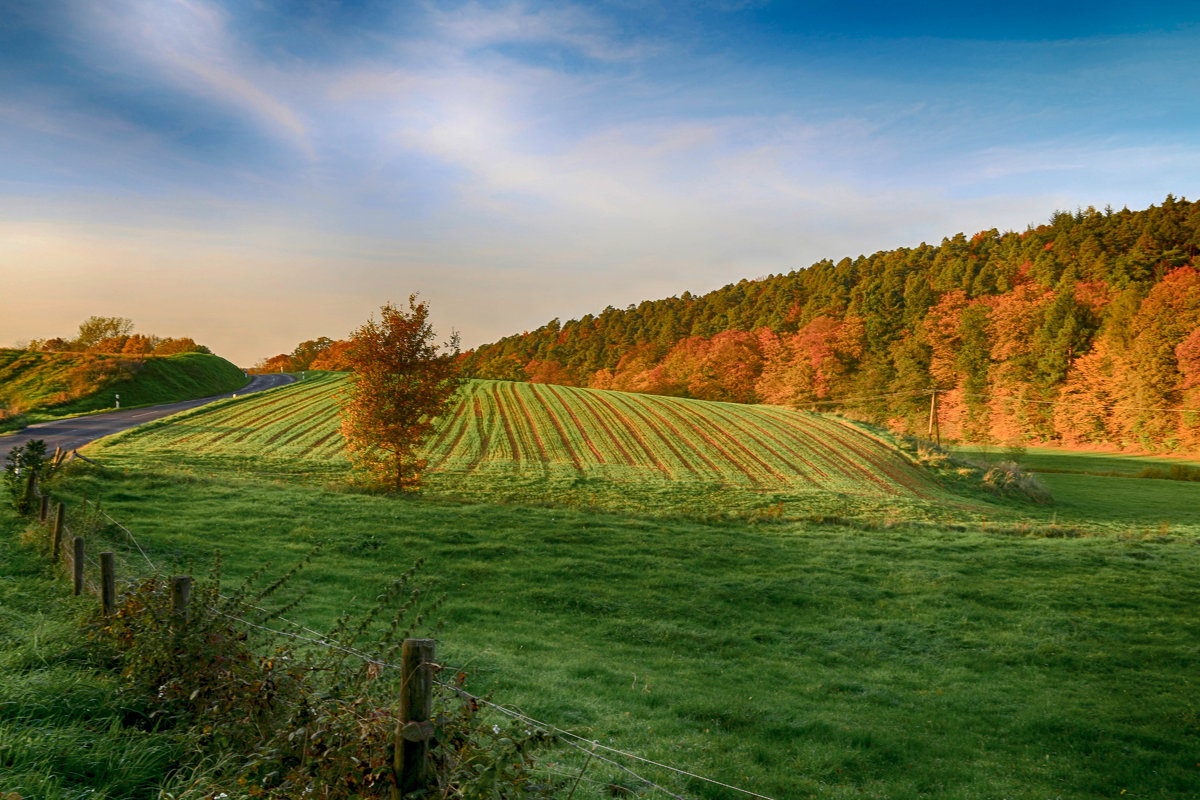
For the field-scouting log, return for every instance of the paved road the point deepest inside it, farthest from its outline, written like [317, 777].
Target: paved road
[73, 433]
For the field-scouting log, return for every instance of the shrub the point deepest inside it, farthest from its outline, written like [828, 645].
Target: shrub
[1008, 479]
[26, 466]
[305, 714]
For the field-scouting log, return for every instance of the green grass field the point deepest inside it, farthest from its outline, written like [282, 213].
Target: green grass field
[35, 387]
[926, 646]
[63, 733]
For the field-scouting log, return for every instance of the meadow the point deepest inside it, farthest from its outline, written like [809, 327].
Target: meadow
[63, 731]
[730, 621]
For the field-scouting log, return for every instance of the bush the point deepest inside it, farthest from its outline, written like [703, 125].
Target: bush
[305, 714]
[27, 466]
[1008, 479]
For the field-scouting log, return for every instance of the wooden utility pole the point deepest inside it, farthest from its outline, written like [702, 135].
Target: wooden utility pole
[934, 429]
[410, 758]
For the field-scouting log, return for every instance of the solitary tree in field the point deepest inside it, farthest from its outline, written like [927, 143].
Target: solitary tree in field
[401, 382]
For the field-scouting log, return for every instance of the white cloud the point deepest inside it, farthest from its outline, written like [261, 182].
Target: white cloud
[189, 43]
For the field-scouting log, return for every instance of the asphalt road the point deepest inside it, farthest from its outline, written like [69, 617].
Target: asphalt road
[73, 433]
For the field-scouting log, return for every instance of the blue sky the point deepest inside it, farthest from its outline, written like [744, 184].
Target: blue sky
[257, 173]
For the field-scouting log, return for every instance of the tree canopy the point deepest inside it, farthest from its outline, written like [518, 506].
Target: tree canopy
[401, 382]
[115, 336]
[1080, 331]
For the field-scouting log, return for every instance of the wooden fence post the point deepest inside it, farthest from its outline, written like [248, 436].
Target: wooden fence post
[108, 584]
[27, 497]
[59, 515]
[44, 509]
[413, 729]
[181, 596]
[77, 565]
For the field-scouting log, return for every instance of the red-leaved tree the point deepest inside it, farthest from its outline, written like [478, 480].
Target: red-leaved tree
[401, 383]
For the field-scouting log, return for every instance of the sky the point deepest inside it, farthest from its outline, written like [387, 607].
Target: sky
[257, 173]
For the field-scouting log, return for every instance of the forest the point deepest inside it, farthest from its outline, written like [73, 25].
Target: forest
[1084, 332]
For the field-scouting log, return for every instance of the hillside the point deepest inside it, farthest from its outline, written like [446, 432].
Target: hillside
[1082, 331]
[1004, 651]
[523, 440]
[36, 386]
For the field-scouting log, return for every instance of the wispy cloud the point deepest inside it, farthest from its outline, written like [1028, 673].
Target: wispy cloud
[189, 44]
[521, 160]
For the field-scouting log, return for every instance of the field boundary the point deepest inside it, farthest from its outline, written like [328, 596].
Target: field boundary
[76, 558]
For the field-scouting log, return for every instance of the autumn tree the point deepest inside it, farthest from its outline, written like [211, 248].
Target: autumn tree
[401, 383]
[94, 330]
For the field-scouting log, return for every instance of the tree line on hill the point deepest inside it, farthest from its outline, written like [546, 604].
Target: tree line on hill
[1082, 331]
[115, 336]
[319, 353]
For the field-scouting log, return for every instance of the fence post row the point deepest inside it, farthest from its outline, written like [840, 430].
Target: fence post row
[30, 490]
[413, 728]
[77, 565]
[181, 596]
[59, 514]
[44, 510]
[108, 584]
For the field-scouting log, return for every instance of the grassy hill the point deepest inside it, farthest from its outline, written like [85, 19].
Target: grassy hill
[522, 441]
[603, 576]
[37, 386]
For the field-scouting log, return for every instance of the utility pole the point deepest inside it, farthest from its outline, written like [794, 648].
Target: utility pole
[934, 429]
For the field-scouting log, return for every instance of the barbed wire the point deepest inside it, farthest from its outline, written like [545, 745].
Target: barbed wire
[566, 737]
[132, 538]
[538, 723]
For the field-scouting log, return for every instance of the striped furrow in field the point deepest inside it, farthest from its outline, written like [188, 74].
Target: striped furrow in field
[295, 413]
[452, 424]
[663, 416]
[526, 443]
[545, 413]
[577, 427]
[899, 470]
[523, 427]
[316, 423]
[662, 432]
[852, 470]
[260, 406]
[804, 427]
[321, 448]
[687, 418]
[168, 436]
[620, 445]
[870, 459]
[454, 428]
[240, 422]
[779, 448]
[802, 450]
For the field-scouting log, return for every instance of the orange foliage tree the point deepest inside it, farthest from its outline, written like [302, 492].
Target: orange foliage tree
[401, 383]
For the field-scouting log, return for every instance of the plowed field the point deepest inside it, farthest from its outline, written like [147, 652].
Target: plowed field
[523, 429]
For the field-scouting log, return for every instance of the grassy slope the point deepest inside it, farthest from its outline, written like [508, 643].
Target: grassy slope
[528, 442]
[62, 732]
[795, 659]
[36, 382]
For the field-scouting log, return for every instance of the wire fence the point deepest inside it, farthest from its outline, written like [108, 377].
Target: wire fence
[591, 749]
